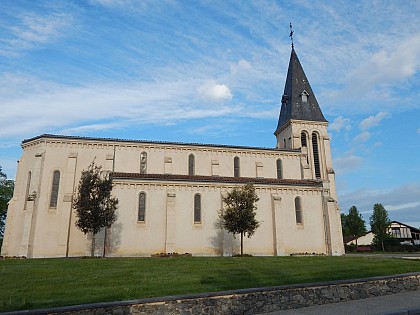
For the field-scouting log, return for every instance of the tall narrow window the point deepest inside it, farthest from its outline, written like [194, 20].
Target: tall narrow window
[143, 163]
[298, 210]
[316, 155]
[236, 167]
[142, 207]
[279, 169]
[28, 186]
[191, 165]
[54, 189]
[303, 139]
[197, 208]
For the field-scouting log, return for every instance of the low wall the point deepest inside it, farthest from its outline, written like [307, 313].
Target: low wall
[250, 301]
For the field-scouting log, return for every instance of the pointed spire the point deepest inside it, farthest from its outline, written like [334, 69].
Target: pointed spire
[298, 101]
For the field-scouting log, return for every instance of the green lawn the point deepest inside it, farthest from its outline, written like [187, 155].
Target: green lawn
[38, 283]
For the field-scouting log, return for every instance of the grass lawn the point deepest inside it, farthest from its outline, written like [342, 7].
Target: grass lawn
[38, 283]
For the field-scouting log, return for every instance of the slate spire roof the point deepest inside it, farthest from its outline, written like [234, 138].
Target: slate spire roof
[298, 100]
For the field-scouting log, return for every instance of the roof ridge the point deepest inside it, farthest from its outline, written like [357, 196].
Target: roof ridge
[46, 135]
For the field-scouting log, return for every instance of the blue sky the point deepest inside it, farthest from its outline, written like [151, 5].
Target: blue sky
[214, 72]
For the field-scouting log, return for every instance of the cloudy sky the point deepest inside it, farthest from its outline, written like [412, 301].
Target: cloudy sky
[214, 72]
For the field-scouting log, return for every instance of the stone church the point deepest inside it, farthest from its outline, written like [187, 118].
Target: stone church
[170, 193]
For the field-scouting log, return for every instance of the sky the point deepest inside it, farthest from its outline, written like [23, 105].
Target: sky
[214, 72]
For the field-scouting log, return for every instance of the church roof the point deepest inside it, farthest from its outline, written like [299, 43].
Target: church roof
[77, 138]
[218, 179]
[298, 100]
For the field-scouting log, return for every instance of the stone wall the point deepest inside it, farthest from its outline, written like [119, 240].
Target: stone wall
[250, 301]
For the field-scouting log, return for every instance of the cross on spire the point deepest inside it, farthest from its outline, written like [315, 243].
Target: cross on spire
[291, 34]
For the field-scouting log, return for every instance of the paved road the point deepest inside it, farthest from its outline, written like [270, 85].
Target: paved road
[389, 304]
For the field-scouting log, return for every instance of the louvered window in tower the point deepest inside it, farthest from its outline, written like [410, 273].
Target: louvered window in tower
[279, 169]
[316, 155]
[54, 189]
[303, 139]
[191, 165]
[236, 167]
[141, 217]
[197, 208]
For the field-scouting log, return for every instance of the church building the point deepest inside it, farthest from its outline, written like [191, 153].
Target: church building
[170, 193]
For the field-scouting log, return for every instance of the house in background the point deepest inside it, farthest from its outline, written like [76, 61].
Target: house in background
[403, 233]
[364, 240]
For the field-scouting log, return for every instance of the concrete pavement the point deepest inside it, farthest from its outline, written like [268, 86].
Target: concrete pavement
[400, 303]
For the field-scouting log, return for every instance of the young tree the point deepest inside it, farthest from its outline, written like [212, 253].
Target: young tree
[239, 215]
[355, 224]
[379, 224]
[95, 208]
[6, 193]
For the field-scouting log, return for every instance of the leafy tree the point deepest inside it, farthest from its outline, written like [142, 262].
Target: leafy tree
[355, 224]
[379, 223]
[95, 208]
[344, 228]
[239, 215]
[6, 193]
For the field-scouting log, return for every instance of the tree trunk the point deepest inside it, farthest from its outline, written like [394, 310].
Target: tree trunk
[242, 244]
[105, 243]
[92, 250]
[356, 244]
[383, 247]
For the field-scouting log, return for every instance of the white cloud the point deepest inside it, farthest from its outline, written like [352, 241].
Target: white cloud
[42, 107]
[347, 163]
[241, 66]
[390, 64]
[362, 137]
[212, 91]
[402, 206]
[340, 123]
[33, 30]
[372, 121]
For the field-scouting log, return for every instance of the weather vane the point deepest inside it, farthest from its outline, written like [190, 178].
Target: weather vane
[291, 34]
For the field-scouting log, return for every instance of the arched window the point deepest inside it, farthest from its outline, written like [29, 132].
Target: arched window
[54, 189]
[197, 208]
[142, 207]
[298, 210]
[303, 139]
[143, 163]
[279, 169]
[316, 155]
[28, 186]
[191, 165]
[236, 167]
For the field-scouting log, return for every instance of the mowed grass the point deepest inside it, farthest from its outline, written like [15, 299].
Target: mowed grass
[39, 283]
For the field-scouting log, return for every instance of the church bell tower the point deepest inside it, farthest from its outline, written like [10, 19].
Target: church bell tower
[302, 125]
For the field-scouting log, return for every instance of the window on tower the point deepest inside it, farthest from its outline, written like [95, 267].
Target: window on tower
[304, 96]
[316, 155]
